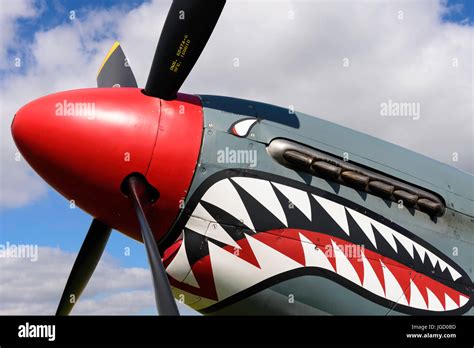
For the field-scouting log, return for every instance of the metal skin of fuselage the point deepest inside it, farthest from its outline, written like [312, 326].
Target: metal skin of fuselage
[257, 237]
[241, 233]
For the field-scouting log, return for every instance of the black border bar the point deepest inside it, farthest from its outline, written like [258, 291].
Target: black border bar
[289, 331]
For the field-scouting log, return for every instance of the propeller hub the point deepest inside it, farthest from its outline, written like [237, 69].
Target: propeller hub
[85, 142]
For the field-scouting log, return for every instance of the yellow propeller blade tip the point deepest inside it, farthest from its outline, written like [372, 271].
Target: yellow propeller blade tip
[112, 50]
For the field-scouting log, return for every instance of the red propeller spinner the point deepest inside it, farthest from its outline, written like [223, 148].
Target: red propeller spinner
[84, 143]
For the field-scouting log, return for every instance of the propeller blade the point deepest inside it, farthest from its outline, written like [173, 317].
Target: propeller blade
[187, 29]
[84, 266]
[138, 194]
[115, 71]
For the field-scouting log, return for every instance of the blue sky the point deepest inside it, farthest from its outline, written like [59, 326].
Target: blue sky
[466, 11]
[51, 222]
[48, 220]
[56, 12]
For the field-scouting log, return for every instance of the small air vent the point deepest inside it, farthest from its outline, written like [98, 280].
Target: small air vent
[307, 159]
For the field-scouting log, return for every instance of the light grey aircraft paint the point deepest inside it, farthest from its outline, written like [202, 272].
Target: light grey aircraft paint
[452, 233]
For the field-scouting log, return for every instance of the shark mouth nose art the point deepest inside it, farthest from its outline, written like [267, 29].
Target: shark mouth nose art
[269, 229]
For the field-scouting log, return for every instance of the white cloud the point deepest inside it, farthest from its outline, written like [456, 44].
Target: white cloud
[282, 61]
[34, 288]
[10, 12]
[19, 186]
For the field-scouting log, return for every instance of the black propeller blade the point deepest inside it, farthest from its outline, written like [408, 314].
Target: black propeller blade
[115, 70]
[186, 31]
[96, 239]
[139, 196]
[84, 266]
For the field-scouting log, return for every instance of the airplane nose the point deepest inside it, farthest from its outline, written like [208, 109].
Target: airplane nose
[85, 142]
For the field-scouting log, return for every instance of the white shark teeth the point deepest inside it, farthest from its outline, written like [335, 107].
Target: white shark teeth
[336, 211]
[433, 302]
[387, 234]
[344, 266]
[263, 192]
[199, 221]
[365, 225]
[393, 290]
[203, 223]
[454, 274]
[432, 258]
[450, 304]
[224, 195]
[422, 251]
[411, 246]
[371, 282]
[201, 213]
[314, 256]
[223, 263]
[297, 197]
[442, 265]
[406, 242]
[270, 259]
[416, 298]
[191, 279]
[215, 231]
[180, 269]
